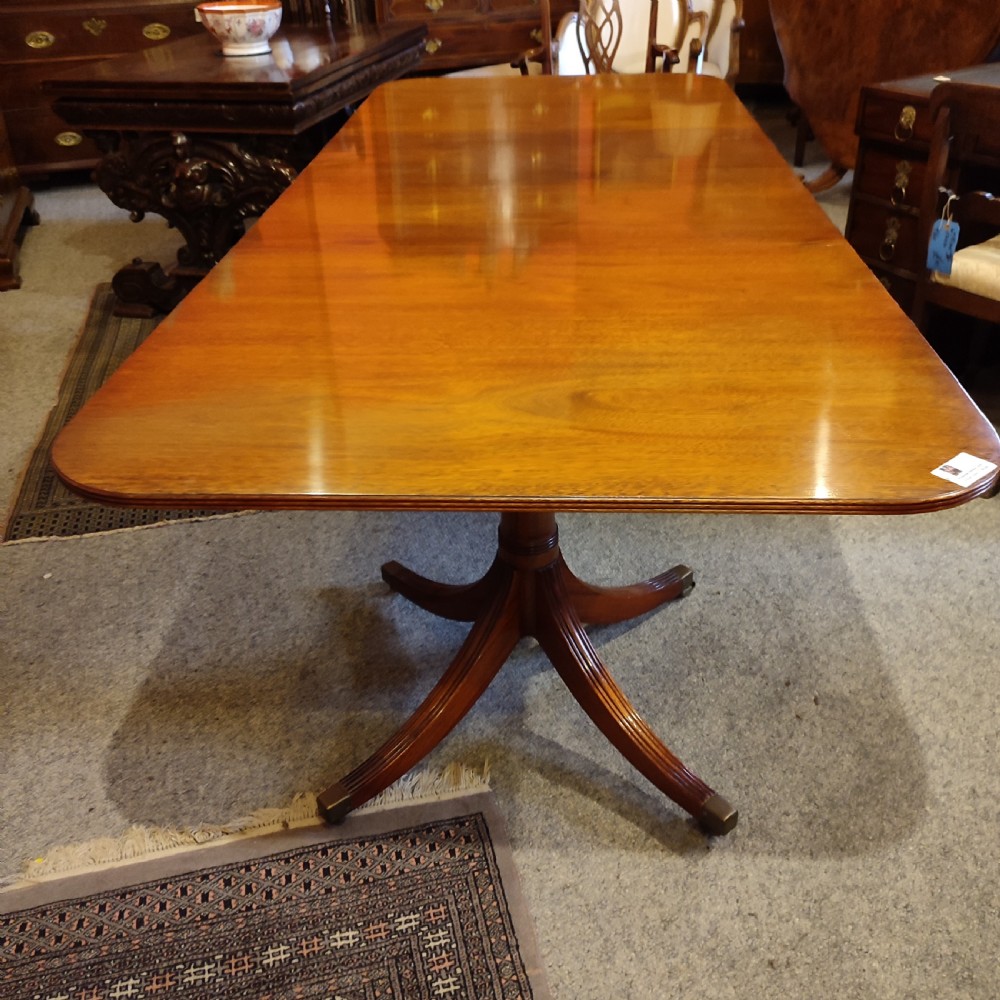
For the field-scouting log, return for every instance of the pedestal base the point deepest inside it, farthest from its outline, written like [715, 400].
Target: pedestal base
[530, 591]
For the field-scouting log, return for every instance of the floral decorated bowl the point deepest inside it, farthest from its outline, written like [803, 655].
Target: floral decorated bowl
[241, 27]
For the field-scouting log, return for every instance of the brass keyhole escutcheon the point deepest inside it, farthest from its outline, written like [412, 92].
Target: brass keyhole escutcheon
[432, 45]
[39, 39]
[433, 5]
[94, 25]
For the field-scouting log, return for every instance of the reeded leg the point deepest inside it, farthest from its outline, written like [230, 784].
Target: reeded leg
[608, 605]
[569, 648]
[483, 653]
[456, 602]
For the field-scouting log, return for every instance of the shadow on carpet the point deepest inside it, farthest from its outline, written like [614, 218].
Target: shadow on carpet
[43, 506]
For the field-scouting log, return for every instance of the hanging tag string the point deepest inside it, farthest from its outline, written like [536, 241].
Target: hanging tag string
[946, 211]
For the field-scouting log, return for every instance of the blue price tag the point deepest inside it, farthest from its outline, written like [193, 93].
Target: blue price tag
[944, 239]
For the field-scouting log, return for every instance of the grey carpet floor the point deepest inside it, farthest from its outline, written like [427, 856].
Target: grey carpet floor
[834, 677]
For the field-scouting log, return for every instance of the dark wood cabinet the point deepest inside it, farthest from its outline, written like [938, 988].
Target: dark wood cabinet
[42, 39]
[466, 33]
[883, 219]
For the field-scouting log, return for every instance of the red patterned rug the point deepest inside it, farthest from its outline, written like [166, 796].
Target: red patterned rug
[416, 901]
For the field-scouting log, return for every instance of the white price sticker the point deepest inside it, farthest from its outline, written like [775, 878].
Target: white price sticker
[964, 470]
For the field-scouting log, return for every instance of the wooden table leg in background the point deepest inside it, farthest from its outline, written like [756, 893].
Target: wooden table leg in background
[529, 590]
[16, 212]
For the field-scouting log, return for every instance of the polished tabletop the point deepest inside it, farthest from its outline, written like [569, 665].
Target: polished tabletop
[605, 293]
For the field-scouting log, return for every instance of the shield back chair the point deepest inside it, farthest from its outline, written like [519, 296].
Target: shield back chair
[627, 36]
[719, 54]
[963, 184]
[677, 33]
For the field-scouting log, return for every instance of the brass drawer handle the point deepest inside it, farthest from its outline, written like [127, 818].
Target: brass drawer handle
[433, 5]
[904, 127]
[902, 182]
[155, 31]
[432, 45]
[536, 35]
[889, 239]
[69, 139]
[39, 39]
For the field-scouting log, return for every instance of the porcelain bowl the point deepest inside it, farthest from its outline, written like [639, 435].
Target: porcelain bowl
[241, 27]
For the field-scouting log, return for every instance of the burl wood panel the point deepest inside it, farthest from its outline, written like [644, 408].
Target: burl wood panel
[833, 48]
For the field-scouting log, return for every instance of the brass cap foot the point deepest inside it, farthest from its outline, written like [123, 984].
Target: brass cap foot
[717, 816]
[335, 803]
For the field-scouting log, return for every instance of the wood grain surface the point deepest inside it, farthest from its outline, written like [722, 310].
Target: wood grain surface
[517, 293]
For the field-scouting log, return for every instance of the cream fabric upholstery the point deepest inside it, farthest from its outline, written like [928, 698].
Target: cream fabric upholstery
[716, 54]
[975, 269]
[569, 59]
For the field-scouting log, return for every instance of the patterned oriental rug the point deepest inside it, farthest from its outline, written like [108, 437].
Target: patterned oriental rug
[414, 902]
[44, 507]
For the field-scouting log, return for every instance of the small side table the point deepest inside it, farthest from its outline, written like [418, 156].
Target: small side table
[208, 141]
[16, 211]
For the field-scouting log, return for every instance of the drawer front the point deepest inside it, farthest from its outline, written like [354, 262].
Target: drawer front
[455, 44]
[42, 35]
[897, 120]
[464, 33]
[41, 141]
[429, 10]
[893, 176]
[882, 236]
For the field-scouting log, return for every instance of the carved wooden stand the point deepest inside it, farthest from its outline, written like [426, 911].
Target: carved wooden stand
[529, 590]
[204, 187]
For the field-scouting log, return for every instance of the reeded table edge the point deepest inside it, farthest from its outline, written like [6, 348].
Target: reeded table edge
[631, 505]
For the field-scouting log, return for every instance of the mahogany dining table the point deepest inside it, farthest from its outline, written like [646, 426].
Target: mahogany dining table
[529, 295]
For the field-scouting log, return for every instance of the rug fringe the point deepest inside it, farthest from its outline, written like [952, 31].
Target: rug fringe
[139, 842]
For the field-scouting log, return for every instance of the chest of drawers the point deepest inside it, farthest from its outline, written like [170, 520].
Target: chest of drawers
[40, 40]
[463, 33]
[894, 130]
